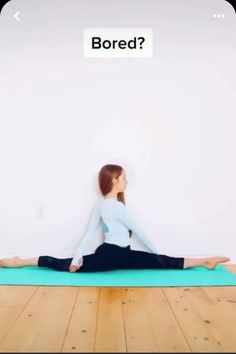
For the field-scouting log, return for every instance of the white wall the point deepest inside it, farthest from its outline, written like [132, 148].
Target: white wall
[169, 119]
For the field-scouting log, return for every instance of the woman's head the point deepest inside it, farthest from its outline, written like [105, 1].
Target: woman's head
[112, 178]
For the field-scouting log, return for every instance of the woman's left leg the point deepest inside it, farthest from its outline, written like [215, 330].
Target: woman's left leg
[208, 262]
[145, 260]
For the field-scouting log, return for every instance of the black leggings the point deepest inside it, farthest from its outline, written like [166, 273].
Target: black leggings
[110, 257]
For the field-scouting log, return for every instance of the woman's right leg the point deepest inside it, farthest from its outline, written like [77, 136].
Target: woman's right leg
[16, 262]
[41, 261]
[91, 263]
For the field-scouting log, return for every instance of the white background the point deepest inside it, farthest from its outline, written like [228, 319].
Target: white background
[169, 119]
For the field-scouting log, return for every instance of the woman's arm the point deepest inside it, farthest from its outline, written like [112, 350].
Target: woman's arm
[92, 227]
[128, 221]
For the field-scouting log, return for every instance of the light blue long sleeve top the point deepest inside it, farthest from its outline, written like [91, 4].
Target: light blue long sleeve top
[116, 222]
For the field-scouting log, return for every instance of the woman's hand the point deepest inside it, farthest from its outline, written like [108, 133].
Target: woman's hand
[73, 268]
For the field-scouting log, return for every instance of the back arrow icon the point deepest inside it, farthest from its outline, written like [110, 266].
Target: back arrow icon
[16, 15]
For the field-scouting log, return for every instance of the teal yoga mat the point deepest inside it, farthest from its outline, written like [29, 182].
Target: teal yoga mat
[132, 278]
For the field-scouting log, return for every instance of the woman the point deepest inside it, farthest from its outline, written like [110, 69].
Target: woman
[115, 252]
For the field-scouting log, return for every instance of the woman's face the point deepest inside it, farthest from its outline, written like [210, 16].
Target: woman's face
[121, 182]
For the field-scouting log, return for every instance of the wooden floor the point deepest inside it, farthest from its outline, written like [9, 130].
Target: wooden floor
[73, 319]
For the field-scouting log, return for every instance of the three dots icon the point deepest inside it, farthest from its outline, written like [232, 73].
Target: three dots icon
[218, 15]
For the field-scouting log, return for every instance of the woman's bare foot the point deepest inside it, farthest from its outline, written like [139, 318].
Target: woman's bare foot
[208, 262]
[211, 262]
[13, 262]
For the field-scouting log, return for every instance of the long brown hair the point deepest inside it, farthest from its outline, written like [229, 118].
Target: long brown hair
[106, 175]
[105, 178]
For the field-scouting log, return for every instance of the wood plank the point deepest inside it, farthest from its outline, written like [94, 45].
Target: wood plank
[139, 332]
[43, 323]
[152, 319]
[163, 322]
[149, 321]
[81, 333]
[223, 322]
[13, 299]
[110, 335]
[194, 311]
